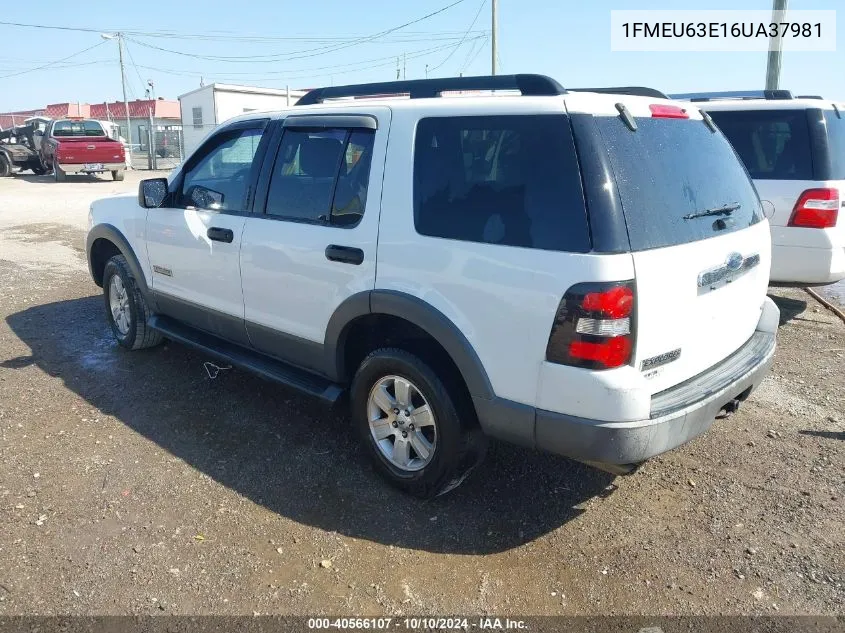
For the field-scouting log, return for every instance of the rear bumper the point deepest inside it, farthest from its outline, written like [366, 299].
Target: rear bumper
[76, 168]
[806, 265]
[677, 415]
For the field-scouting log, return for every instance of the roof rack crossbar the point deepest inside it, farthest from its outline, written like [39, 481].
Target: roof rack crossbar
[528, 85]
[772, 95]
[637, 91]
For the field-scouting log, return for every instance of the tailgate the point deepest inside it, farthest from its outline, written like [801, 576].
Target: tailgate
[699, 243]
[89, 150]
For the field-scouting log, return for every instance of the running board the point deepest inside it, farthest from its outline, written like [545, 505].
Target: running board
[250, 360]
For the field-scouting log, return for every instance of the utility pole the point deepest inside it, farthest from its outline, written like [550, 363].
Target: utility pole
[495, 31]
[775, 43]
[404, 68]
[119, 38]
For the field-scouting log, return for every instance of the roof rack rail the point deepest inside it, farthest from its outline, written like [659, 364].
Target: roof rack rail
[771, 95]
[637, 91]
[819, 97]
[528, 85]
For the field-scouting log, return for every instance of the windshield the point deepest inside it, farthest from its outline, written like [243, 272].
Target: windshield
[678, 181]
[78, 128]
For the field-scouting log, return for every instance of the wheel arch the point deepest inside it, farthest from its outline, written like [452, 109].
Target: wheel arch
[103, 242]
[417, 313]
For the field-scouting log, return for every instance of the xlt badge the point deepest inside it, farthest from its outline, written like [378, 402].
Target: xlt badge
[162, 271]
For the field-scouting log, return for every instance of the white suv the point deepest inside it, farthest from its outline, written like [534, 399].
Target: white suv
[579, 272]
[794, 149]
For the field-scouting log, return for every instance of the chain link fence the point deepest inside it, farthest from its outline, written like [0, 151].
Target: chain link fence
[160, 150]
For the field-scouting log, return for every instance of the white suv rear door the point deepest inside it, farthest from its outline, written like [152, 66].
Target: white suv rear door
[699, 243]
[311, 242]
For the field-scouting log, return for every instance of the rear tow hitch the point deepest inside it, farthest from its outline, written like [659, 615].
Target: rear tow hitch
[729, 408]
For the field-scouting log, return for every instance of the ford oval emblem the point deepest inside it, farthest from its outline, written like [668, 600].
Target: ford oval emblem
[734, 262]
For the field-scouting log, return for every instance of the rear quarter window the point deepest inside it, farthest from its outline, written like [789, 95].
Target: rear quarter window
[773, 144]
[668, 169]
[508, 180]
[836, 138]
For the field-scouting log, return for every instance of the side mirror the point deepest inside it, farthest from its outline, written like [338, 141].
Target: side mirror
[152, 192]
[768, 208]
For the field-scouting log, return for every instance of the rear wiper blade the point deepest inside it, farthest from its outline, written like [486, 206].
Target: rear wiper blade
[723, 210]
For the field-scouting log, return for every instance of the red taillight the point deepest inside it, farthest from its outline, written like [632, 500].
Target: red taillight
[615, 303]
[816, 209]
[593, 326]
[613, 352]
[662, 111]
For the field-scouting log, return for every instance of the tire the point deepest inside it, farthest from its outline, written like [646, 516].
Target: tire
[128, 315]
[5, 166]
[58, 174]
[456, 447]
[117, 174]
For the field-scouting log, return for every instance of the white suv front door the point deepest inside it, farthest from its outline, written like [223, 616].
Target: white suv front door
[193, 242]
[311, 243]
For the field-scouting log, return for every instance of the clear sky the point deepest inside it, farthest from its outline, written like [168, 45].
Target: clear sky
[311, 43]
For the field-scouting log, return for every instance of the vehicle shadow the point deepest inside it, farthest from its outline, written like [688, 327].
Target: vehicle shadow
[789, 308]
[828, 435]
[288, 453]
[70, 178]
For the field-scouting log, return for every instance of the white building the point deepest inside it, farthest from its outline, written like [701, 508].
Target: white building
[204, 108]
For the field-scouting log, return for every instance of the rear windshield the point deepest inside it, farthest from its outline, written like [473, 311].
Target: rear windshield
[668, 169]
[836, 138]
[78, 128]
[773, 144]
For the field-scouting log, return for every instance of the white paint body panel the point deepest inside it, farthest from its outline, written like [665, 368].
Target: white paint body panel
[204, 272]
[124, 213]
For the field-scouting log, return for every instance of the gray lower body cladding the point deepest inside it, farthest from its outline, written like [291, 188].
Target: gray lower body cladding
[678, 415]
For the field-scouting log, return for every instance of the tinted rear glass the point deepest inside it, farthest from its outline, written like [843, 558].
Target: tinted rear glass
[773, 144]
[78, 128]
[668, 169]
[507, 180]
[836, 138]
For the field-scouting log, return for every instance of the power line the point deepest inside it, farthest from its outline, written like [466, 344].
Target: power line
[474, 57]
[277, 76]
[255, 39]
[32, 70]
[322, 50]
[454, 50]
[334, 67]
[137, 72]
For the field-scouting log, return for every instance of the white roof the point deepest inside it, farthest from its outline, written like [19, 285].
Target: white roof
[766, 104]
[217, 87]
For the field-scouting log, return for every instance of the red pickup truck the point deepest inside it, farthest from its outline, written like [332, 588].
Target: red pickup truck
[81, 146]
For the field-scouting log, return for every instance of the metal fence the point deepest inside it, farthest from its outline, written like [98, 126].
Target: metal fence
[162, 149]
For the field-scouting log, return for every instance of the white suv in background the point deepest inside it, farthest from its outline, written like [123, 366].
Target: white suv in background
[575, 271]
[794, 149]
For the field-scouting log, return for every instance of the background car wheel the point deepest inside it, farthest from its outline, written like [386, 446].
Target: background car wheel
[409, 424]
[5, 167]
[126, 311]
[117, 174]
[58, 174]
[39, 171]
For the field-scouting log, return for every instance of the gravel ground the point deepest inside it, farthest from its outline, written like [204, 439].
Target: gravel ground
[133, 483]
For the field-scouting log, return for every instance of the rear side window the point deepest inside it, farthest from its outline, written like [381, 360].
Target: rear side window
[668, 169]
[508, 180]
[836, 138]
[773, 144]
[322, 176]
